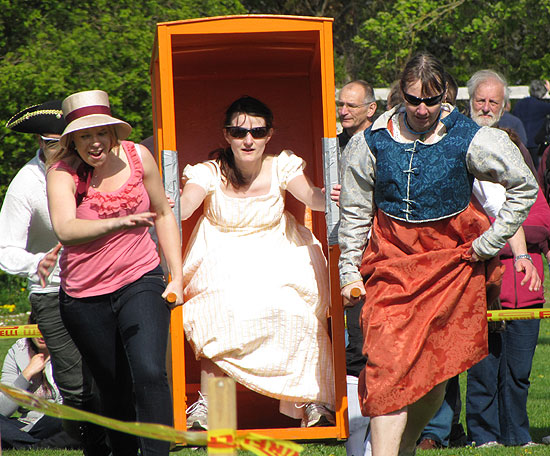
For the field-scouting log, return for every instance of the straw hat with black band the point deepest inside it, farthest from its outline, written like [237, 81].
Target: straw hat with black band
[90, 109]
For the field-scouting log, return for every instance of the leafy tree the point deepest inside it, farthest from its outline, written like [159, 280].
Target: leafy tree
[467, 35]
[50, 49]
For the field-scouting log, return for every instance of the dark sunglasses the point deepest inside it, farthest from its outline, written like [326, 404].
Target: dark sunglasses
[50, 143]
[429, 101]
[239, 132]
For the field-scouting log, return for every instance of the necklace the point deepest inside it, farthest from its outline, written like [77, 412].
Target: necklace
[422, 134]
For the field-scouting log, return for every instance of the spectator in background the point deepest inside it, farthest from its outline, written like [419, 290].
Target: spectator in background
[27, 367]
[489, 94]
[452, 89]
[497, 386]
[394, 96]
[28, 247]
[356, 108]
[508, 120]
[532, 111]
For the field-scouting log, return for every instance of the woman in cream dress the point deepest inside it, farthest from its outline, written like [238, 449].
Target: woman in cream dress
[256, 285]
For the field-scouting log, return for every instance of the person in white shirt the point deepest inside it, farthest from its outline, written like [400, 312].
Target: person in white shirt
[28, 246]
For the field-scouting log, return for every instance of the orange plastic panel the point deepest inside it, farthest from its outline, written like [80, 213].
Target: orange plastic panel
[198, 68]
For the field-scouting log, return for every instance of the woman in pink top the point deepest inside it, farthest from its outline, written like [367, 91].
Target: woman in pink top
[104, 194]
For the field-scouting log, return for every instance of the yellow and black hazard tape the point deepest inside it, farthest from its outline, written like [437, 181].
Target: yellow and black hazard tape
[12, 332]
[217, 440]
[518, 314]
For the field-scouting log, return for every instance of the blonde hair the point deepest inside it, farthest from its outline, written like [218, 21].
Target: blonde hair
[70, 150]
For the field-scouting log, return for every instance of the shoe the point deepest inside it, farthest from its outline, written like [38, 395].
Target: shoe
[197, 415]
[317, 415]
[546, 440]
[489, 444]
[530, 444]
[428, 444]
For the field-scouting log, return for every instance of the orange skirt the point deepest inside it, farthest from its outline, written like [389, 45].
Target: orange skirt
[424, 319]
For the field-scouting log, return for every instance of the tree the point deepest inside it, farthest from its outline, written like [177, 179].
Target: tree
[50, 49]
[467, 35]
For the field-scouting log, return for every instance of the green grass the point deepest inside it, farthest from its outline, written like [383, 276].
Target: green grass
[538, 408]
[13, 297]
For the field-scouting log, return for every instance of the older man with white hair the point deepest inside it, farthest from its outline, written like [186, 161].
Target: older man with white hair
[489, 96]
[497, 387]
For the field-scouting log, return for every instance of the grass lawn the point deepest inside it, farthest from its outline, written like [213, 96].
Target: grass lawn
[538, 408]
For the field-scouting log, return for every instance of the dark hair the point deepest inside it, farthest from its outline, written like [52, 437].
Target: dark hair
[537, 88]
[30, 341]
[394, 96]
[426, 68]
[452, 89]
[251, 107]
[513, 135]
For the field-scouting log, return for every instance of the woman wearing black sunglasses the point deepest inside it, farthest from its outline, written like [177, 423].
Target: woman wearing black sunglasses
[409, 182]
[256, 284]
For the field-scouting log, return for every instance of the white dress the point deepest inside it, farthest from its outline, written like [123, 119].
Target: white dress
[256, 290]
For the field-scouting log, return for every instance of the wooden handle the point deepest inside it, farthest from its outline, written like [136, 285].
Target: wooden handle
[355, 292]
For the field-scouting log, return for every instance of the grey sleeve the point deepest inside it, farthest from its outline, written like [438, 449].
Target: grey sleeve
[493, 157]
[356, 207]
[12, 376]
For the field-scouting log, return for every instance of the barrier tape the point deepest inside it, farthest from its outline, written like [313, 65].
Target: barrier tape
[518, 314]
[8, 332]
[257, 444]
[13, 332]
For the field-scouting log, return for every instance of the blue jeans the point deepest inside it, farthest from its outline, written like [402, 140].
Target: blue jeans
[497, 387]
[123, 338]
[439, 427]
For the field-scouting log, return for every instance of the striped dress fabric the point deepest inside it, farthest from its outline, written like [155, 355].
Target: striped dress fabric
[256, 290]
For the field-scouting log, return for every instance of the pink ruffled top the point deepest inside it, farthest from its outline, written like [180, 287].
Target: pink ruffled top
[108, 263]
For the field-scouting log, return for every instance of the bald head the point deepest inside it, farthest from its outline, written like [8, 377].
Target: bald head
[356, 106]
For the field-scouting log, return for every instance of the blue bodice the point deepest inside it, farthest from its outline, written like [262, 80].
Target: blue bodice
[418, 182]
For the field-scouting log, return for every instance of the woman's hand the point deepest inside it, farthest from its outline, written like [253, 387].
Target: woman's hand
[174, 289]
[353, 293]
[474, 257]
[146, 219]
[36, 365]
[531, 275]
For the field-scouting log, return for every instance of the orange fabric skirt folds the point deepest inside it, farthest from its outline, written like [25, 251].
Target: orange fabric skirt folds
[425, 316]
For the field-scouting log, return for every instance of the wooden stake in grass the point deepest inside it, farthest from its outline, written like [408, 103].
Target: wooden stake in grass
[222, 416]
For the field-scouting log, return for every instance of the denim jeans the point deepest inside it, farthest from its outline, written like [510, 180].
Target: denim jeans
[123, 338]
[497, 387]
[71, 375]
[439, 427]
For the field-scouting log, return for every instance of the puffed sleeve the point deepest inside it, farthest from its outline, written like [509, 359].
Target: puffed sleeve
[289, 166]
[356, 207]
[202, 174]
[493, 157]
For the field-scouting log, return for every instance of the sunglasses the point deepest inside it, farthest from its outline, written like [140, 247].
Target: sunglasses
[239, 132]
[50, 142]
[429, 101]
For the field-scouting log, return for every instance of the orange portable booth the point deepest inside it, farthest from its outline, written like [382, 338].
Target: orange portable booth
[198, 68]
